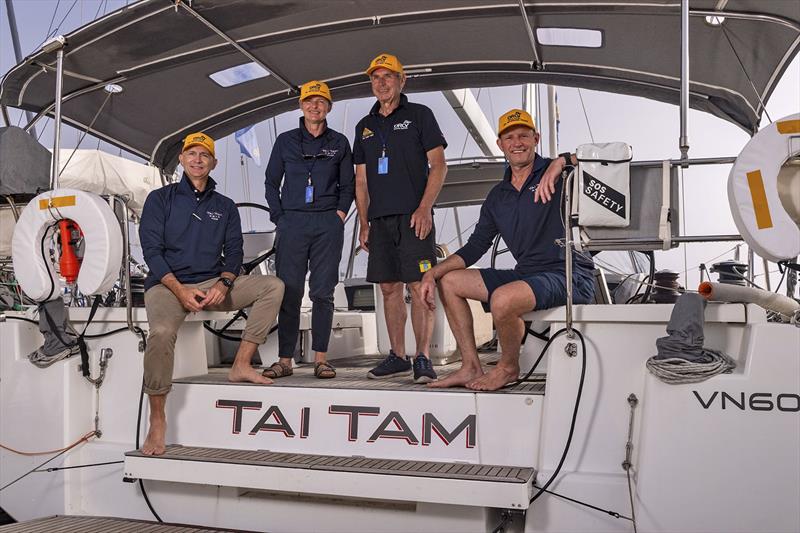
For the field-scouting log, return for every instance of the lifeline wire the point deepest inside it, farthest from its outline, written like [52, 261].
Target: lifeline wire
[65, 450]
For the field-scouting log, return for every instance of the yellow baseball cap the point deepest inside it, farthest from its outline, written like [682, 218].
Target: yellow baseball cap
[198, 139]
[514, 117]
[315, 88]
[387, 61]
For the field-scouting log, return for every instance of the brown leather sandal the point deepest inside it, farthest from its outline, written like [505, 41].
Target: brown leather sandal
[324, 371]
[277, 370]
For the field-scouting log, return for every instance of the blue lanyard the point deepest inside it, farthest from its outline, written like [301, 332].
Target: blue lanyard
[384, 137]
[305, 157]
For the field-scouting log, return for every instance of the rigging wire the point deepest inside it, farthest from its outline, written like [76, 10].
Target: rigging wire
[103, 3]
[83, 133]
[466, 135]
[590, 506]
[57, 468]
[746, 75]
[52, 19]
[62, 452]
[585, 115]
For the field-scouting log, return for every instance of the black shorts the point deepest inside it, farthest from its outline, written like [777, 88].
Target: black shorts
[395, 252]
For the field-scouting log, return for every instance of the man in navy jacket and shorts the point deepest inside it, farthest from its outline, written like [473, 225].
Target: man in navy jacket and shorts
[520, 211]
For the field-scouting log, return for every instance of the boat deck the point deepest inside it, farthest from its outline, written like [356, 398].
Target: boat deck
[454, 483]
[94, 524]
[331, 463]
[351, 373]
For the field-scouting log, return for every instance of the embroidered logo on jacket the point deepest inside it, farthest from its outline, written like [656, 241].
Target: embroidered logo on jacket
[402, 125]
[366, 134]
[214, 215]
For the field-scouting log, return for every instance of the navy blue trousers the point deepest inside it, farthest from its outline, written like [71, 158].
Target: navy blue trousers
[307, 241]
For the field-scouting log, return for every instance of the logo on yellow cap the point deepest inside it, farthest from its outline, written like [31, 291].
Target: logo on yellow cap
[387, 61]
[315, 88]
[514, 117]
[198, 139]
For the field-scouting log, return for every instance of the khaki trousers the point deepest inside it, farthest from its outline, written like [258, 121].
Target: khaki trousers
[165, 315]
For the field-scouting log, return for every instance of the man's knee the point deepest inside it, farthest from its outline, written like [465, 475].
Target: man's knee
[161, 333]
[506, 304]
[270, 287]
[448, 285]
[501, 305]
[391, 290]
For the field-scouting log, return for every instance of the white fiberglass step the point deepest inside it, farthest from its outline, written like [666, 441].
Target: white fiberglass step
[355, 477]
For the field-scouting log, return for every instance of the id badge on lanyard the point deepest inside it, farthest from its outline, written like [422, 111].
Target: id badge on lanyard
[383, 160]
[383, 163]
[309, 191]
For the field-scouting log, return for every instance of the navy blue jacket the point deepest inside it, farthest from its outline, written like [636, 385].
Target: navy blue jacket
[327, 158]
[529, 229]
[186, 232]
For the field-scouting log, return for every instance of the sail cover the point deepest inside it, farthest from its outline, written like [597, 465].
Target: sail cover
[220, 65]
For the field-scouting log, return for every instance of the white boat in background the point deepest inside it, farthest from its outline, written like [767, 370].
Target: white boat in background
[589, 441]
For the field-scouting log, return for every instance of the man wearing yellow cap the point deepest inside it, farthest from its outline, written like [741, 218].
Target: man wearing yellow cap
[520, 211]
[400, 168]
[191, 238]
[309, 189]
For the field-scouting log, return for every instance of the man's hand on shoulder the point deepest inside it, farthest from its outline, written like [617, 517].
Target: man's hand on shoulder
[422, 222]
[547, 185]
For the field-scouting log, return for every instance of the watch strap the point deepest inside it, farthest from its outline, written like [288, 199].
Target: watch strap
[567, 158]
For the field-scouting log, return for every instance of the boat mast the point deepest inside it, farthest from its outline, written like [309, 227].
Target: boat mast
[12, 25]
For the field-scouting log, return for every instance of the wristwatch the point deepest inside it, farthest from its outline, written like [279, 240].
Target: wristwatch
[225, 281]
[567, 159]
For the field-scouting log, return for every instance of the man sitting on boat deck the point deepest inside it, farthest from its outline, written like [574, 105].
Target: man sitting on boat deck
[191, 237]
[400, 168]
[315, 165]
[517, 208]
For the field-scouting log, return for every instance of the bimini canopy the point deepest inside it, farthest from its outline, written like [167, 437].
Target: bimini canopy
[175, 60]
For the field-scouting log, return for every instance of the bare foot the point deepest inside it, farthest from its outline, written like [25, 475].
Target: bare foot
[247, 374]
[459, 378]
[154, 443]
[495, 379]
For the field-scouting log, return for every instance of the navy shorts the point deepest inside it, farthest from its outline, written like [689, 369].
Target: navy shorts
[549, 288]
[395, 252]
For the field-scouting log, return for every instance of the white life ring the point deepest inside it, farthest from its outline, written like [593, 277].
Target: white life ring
[102, 236]
[753, 193]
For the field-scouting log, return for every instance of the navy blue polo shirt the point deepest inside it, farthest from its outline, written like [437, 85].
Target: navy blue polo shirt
[529, 229]
[186, 232]
[298, 154]
[408, 133]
